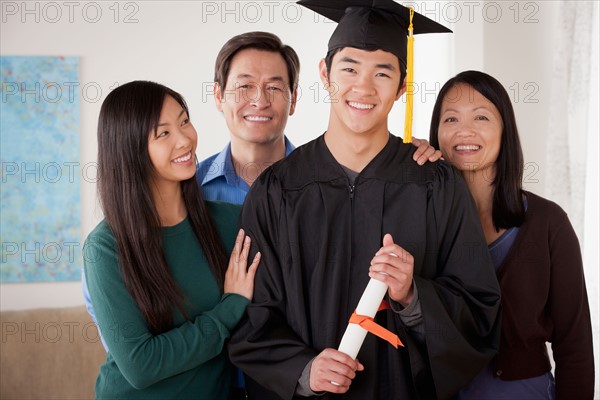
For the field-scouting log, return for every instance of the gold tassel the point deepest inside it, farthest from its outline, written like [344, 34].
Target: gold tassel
[410, 73]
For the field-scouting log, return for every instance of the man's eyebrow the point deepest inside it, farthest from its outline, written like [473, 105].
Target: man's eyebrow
[243, 76]
[276, 78]
[386, 66]
[350, 60]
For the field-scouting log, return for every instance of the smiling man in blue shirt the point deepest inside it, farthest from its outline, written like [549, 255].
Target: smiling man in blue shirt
[256, 77]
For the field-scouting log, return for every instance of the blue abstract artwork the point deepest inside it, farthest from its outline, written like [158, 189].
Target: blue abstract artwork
[40, 178]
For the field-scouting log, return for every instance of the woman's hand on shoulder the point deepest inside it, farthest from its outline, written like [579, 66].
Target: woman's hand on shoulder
[239, 278]
[425, 152]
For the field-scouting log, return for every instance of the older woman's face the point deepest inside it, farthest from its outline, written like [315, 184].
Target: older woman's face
[469, 130]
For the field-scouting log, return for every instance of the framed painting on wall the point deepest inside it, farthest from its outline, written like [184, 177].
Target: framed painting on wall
[40, 179]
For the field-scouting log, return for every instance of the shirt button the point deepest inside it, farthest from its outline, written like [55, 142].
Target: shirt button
[499, 372]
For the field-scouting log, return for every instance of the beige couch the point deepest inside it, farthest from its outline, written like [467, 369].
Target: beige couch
[51, 353]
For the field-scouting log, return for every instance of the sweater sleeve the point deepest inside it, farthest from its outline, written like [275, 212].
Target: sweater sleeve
[568, 304]
[144, 358]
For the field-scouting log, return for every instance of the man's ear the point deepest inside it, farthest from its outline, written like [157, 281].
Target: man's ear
[294, 99]
[323, 73]
[218, 96]
[401, 90]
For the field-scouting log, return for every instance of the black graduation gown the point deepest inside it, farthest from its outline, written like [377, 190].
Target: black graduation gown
[317, 236]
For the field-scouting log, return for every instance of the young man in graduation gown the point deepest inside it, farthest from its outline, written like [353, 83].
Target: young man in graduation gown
[352, 205]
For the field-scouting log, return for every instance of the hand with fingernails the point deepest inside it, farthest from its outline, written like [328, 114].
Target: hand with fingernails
[332, 371]
[239, 278]
[394, 266]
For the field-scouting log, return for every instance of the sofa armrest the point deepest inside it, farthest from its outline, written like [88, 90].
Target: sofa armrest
[49, 353]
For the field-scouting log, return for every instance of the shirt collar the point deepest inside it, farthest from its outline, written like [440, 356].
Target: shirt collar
[224, 164]
[217, 166]
[289, 147]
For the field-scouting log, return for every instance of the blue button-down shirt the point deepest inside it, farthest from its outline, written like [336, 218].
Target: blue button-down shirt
[218, 180]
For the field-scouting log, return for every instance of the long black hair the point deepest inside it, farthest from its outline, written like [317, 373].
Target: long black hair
[507, 208]
[129, 114]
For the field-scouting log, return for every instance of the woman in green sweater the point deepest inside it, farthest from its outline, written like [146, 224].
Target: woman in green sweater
[165, 296]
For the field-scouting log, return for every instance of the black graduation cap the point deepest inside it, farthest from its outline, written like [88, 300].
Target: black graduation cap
[377, 25]
[372, 24]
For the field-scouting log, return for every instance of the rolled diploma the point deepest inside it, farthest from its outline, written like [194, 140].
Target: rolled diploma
[368, 305]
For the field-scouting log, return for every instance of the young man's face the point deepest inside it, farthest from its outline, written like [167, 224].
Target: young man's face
[257, 99]
[363, 86]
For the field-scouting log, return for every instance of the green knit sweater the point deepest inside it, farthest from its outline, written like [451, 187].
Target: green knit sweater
[189, 361]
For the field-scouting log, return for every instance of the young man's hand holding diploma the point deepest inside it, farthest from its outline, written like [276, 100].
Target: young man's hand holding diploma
[394, 266]
[332, 371]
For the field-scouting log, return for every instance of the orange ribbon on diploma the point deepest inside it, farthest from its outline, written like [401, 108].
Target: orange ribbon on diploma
[362, 320]
[369, 324]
